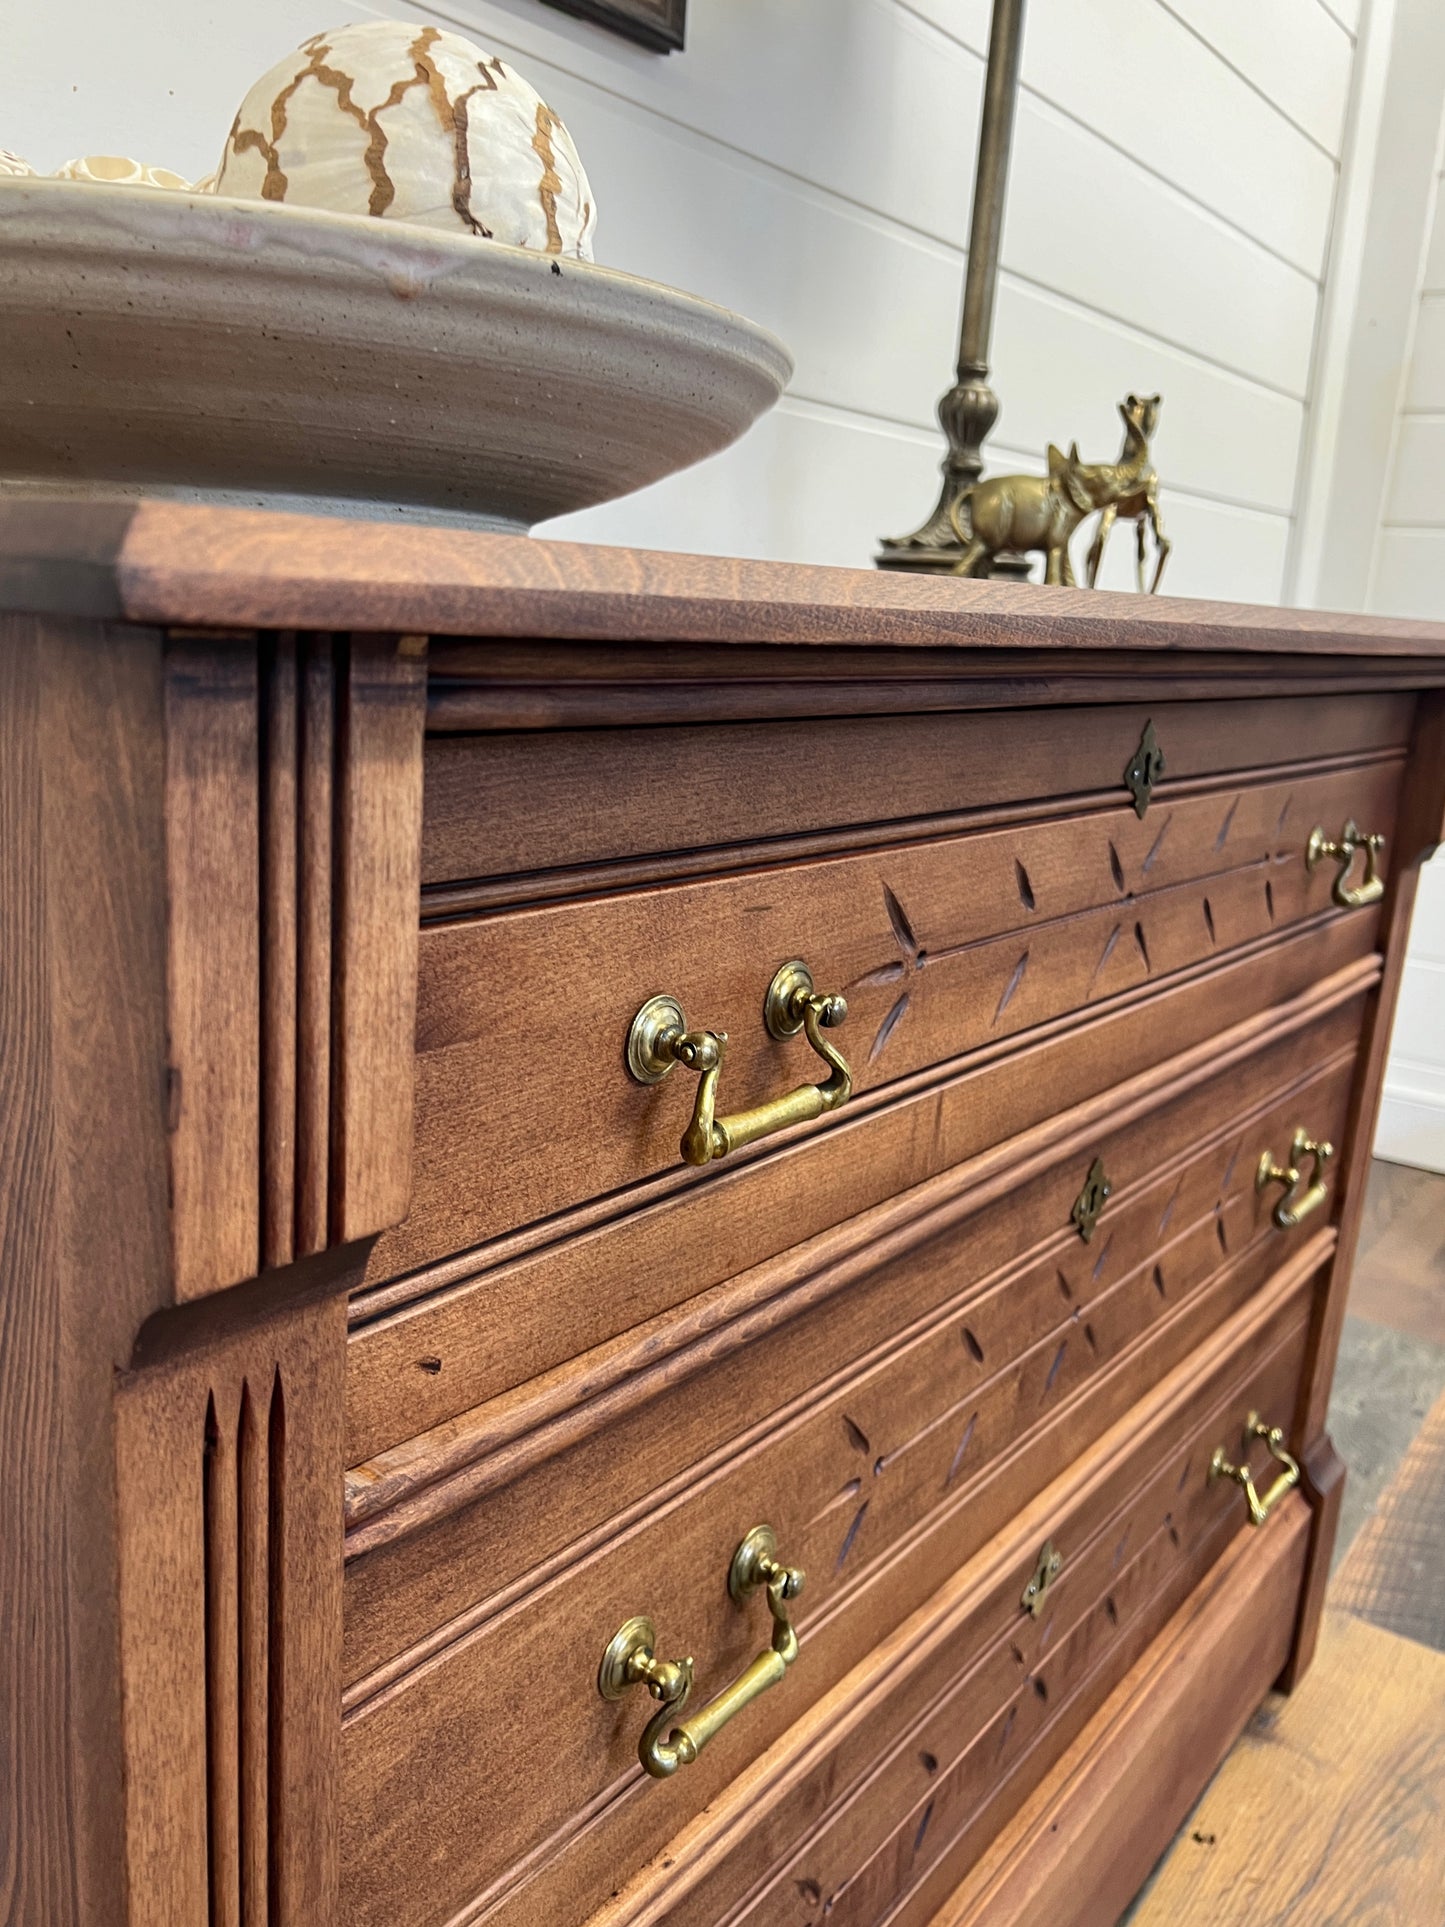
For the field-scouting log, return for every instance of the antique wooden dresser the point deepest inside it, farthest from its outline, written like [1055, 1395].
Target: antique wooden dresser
[552, 1095]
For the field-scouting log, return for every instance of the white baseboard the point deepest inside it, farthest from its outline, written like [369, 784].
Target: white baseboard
[1411, 1129]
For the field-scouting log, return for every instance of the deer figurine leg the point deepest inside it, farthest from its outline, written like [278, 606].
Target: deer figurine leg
[1141, 549]
[1096, 547]
[968, 562]
[1162, 544]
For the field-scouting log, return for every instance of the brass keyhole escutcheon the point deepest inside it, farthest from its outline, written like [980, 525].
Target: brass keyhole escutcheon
[1091, 1200]
[1051, 1564]
[1144, 770]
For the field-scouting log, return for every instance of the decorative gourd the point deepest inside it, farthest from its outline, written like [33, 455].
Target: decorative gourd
[414, 124]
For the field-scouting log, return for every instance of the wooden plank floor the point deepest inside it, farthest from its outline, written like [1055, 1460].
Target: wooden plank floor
[1331, 1807]
[1394, 1573]
[1399, 1276]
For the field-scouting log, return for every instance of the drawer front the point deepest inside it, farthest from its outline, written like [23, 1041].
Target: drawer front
[920, 1754]
[502, 809]
[944, 946]
[894, 1424]
[621, 1289]
[893, 1786]
[873, 1384]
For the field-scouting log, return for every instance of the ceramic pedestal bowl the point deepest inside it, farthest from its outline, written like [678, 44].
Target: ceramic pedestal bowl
[173, 343]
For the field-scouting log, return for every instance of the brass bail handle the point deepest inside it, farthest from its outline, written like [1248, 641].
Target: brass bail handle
[660, 1038]
[631, 1660]
[1343, 850]
[1273, 1435]
[1297, 1204]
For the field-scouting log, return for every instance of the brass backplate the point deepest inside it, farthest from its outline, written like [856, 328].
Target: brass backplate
[1051, 1564]
[637, 1635]
[1091, 1200]
[745, 1573]
[659, 1020]
[783, 1005]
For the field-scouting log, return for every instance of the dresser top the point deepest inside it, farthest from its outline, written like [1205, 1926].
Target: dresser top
[172, 564]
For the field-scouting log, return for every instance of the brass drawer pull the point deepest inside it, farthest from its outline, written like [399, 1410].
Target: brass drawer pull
[1220, 1468]
[631, 1660]
[1321, 849]
[1296, 1204]
[660, 1038]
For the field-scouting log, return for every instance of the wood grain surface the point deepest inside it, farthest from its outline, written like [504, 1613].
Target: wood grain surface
[1394, 1573]
[995, 1234]
[781, 791]
[230, 1579]
[1331, 1807]
[935, 1790]
[84, 1234]
[421, 1349]
[214, 962]
[584, 1796]
[1080, 1847]
[941, 948]
[293, 816]
[171, 563]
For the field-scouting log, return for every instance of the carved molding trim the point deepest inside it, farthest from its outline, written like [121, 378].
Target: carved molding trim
[293, 832]
[230, 1588]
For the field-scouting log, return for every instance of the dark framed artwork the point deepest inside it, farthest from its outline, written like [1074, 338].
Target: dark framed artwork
[656, 23]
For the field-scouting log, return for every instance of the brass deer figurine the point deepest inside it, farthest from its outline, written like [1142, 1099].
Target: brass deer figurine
[1032, 512]
[1136, 495]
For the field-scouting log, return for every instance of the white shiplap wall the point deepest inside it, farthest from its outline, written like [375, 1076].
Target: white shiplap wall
[1408, 578]
[1169, 225]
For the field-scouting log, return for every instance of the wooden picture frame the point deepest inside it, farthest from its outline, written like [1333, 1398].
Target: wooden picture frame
[658, 24]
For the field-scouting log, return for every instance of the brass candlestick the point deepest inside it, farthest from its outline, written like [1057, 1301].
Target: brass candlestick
[970, 408]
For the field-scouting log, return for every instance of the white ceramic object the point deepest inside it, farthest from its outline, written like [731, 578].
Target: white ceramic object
[12, 167]
[411, 123]
[116, 170]
[220, 349]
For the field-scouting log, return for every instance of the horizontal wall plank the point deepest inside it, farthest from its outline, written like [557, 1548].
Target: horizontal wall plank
[1292, 51]
[1435, 260]
[1346, 13]
[1417, 484]
[1078, 206]
[1409, 575]
[1426, 386]
[1061, 372]
[813, 485]
[1145, 82]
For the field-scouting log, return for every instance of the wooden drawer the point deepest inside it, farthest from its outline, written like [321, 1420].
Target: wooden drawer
[860, 1384]
[877, 1777]
[946, 943]
[885, 1792]
[502, 824]
[631, 1283]
[888, 1411]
